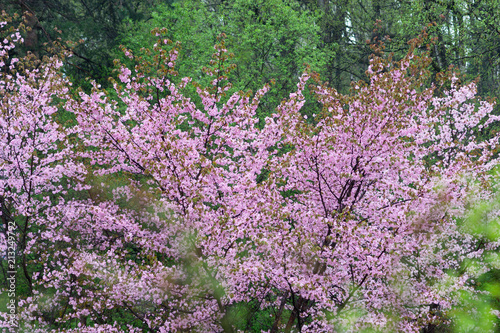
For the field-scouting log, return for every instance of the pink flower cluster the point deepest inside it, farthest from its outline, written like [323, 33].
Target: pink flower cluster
[177, 213]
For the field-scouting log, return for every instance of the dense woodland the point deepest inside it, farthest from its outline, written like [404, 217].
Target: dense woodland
[271, 39]
[249, 166]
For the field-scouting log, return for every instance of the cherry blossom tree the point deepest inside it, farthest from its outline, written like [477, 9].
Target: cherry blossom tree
[154, 211]
[38, 176]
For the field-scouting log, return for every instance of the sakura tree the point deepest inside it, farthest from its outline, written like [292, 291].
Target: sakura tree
[155, 211]
[38, 176]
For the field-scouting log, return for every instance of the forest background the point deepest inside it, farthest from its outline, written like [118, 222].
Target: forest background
[272, 41]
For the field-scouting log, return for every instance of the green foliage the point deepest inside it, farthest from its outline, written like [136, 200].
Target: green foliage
[271, 39]
[480, 312]
[91, 25]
